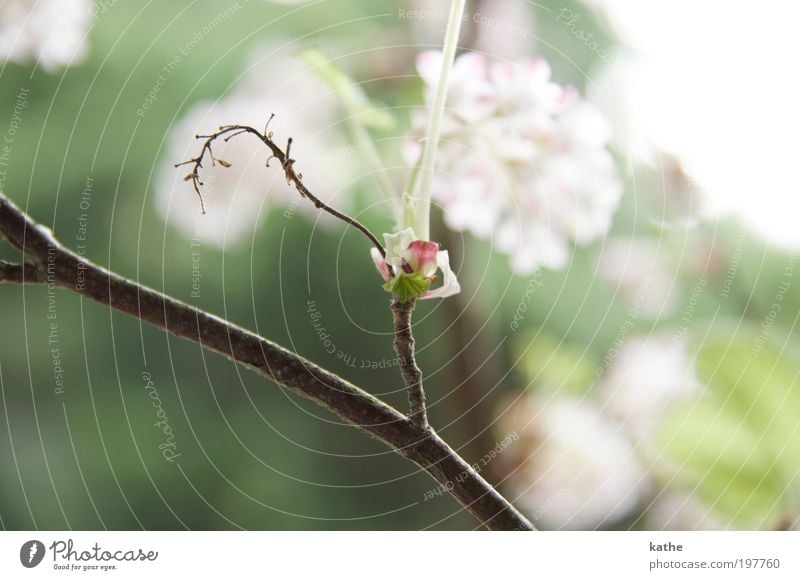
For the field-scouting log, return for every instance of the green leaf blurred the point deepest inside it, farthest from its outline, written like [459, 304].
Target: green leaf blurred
[738, 445]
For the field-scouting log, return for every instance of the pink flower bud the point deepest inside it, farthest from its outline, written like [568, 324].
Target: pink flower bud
[408, 257]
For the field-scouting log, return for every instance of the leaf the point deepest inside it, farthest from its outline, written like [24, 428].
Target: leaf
[407, 286]
[550, 363]
[722, 458]
[756, 383]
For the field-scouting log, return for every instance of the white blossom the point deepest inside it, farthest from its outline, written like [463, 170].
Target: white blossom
[410, 266]
[638, 271]
[648, 373]
[238, 198]
[522, 159]
[48, 33]
[575, 468]
[681, 510]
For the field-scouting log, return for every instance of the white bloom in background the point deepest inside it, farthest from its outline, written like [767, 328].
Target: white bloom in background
[648, 373]
[637, 270]
[504, 28]
[521, 159]
[238, 198]
[50, 33]
[579, 471]
[679, 510]
[669, 194]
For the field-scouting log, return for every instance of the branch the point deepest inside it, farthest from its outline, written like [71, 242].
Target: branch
[19, 273]
[51, 262]
[284, 158]
[404, 348]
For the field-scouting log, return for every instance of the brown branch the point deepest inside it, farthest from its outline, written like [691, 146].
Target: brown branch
[283, 157]
[404, 348]
[19, 273]
[54, 263]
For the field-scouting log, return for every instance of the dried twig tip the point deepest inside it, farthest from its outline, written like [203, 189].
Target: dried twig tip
[227, 132]
[266, 127]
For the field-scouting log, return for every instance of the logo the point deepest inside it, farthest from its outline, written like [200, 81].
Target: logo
[31, 553]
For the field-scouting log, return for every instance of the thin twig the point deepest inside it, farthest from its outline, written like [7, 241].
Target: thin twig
[405, 349]
[53, 262]
[283, 157]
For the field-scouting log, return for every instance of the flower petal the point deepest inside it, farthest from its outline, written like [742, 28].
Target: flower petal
[421, 257]
[429, 65]
[450, 285]
[380, 264]
[396, 244]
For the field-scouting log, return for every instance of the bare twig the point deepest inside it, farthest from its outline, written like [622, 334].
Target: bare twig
[54, 263]
[283, 157]
[404, 348]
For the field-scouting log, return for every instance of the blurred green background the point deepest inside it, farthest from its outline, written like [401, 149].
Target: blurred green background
[253, 456]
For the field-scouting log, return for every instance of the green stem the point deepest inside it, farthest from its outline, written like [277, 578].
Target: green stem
[417, 208]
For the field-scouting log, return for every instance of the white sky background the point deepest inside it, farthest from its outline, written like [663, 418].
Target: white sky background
[717, 84]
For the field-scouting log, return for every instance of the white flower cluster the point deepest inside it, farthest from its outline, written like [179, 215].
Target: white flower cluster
[49, 33]
[580, 472]
[522, 160]
[591, 462]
